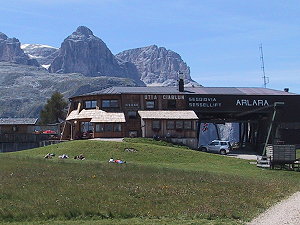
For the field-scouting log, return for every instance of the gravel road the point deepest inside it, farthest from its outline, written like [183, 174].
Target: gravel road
[286, 212]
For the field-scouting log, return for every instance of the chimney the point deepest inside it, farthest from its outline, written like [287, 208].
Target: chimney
[286, 89]
[181, 82]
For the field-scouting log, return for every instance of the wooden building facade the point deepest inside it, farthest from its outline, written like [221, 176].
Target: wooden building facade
[17, 125]
[115, 112]
[175, 113]
[18, 134]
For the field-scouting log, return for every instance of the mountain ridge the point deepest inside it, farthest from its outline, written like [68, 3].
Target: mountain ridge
[25, 89]
[44, 54]
[82, 64]
[10, 51]
[83, 52]
[158, 65]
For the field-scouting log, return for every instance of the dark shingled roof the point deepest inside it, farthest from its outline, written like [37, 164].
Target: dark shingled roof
[18, 121]
[137, 90]
[237, 91]
[189, 90]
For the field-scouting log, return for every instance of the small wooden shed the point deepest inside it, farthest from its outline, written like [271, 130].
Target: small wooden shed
[179, 126]
[17, 125]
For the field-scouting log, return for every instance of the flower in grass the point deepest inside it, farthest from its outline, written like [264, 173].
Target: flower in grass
[165, 187]
[94, 176]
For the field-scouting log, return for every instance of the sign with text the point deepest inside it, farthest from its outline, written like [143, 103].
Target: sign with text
[173, 97]
[132, 105]
[230, 103]
[164, 97]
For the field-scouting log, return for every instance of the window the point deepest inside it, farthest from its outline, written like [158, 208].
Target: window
[75, 105]
[110, 103]
[150, 105]
[224, 143]
[114, 103]
[86, 127]
[105, 103]
[170, 125]
[117, 127]
[172, 104]
[131, 114]
[214, 143]
[108, 127]
[179, 124]
[99, 127]
[187, 125]
[15, 128]
[30, 129]
[90, 104]
[197, 125]
[156, 125]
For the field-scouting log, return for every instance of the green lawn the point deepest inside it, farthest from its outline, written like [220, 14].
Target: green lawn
[159, 184]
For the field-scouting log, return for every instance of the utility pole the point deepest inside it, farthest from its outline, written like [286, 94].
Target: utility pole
[265, 79]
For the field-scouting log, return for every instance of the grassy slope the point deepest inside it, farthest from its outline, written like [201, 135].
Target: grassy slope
[177, 185]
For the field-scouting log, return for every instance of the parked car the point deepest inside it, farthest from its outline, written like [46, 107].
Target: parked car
[217, 146]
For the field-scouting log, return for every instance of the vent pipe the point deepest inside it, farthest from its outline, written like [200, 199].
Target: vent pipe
[181, 82]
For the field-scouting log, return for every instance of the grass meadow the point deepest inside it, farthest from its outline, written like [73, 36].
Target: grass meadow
[159, 184]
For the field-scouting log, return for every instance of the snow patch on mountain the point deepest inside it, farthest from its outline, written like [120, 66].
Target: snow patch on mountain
[36, 46]
[46, 66]
[44, 54]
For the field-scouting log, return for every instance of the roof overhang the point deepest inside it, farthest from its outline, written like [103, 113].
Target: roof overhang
[97, 116]
[18, 121]
[169, 115]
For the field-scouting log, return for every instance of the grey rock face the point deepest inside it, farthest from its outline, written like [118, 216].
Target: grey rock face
[10, 51]
[157, 65]
[25, 89]
[209, 132]
[44, 54]
[83, 64]
[84, 53]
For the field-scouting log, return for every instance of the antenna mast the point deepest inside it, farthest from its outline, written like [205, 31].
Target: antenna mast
[266, 79]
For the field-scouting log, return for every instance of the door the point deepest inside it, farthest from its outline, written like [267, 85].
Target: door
[214, 146]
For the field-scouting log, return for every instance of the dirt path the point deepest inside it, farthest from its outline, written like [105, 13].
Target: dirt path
[286, 212]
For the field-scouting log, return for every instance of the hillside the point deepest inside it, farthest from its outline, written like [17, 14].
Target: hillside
[159, 184]
[25, 89]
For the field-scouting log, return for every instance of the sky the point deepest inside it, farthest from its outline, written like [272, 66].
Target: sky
[218, 39]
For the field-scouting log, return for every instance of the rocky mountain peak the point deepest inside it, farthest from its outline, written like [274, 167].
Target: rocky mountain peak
[10, 51]
[157, 65]
[3, 36]
[84, 53]
[151, 47]
[84, 31]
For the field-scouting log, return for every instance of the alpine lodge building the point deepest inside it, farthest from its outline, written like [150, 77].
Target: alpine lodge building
[175, 114]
